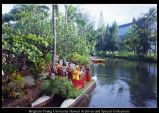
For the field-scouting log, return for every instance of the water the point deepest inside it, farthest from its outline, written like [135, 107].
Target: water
[123, 83]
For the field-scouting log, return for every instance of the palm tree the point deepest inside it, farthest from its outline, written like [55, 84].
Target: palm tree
[64, 59]
[54, 34]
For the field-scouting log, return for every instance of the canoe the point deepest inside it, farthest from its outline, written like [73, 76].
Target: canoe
[98, 60]
[82, 100]
[42, 101]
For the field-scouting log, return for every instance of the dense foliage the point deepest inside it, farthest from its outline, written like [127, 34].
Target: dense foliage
[79, 59]
[140, 39]
[27, 36]
[60, 86]
[142, 36]
[107, 41]
[27, 42]
[13, 86]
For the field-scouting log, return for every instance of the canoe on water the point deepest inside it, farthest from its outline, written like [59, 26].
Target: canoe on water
[81, 101]
[98, 60]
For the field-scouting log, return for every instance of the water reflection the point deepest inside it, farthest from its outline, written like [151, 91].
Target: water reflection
[122, 83]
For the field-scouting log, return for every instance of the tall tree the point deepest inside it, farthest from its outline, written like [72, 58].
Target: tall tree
[54, 34]
[142, 33]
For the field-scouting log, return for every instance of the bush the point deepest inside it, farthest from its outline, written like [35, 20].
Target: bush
[38, 66]
[79, 59]
[48, 58]
[13, 86]
[8, 68]
[61, 86]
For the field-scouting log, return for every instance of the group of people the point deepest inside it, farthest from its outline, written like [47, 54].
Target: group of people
[78, 75]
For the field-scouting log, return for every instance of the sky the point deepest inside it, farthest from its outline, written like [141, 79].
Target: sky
[121, 13]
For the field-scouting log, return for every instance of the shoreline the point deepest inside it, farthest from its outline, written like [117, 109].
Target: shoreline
[130, 58]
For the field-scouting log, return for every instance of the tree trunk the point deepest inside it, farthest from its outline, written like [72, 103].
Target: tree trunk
[54, 35]
[64, 62]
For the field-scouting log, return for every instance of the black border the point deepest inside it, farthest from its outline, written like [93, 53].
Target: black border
[118, 110]
[82, 1]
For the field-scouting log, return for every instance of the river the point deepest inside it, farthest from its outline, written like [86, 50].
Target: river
[124, 84]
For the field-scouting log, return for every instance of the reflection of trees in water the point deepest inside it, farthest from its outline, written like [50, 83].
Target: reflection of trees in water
[141, 78]
[142, 85]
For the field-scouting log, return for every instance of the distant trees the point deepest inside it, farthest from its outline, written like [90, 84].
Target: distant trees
[139, 39]
[108, 40]
[141, 36]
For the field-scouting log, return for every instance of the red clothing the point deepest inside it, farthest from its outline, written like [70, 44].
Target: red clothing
[88, 75]
[70, 73]
[59, 71]
[75, 83]
[82, 81]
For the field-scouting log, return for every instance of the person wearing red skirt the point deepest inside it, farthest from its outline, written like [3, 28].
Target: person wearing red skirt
[88, 75]
[59, 70]
[76, 80]
[82, 80]
[70, 71]
[82, 76]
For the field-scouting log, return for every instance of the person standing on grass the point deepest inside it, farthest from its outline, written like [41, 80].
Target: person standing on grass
[69, 71]
[88, 75]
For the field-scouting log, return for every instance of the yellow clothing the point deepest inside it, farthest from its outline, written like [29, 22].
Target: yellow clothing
[76, 74]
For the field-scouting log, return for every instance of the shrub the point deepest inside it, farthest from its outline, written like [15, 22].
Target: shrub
[8, 68]
[13, 86]
[48, 58]
[38, 66]
[61, 86]
[77, 58]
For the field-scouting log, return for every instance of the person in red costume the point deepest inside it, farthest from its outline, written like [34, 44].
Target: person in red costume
[88, 75]
[59, 70]
[70, 71]
[76, 78]
[82, 76]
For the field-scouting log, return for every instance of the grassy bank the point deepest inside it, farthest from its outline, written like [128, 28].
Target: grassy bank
[128, 55]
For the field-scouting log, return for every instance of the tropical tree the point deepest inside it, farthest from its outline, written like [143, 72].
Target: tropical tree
[142, 34]
[109, 40]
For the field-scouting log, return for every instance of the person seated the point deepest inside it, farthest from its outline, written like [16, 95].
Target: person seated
[69, 71]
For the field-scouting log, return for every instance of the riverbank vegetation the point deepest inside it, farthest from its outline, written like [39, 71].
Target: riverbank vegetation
[27, 39]
[129, 56]
[138, 43]
[27, 44]
[79, 59]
